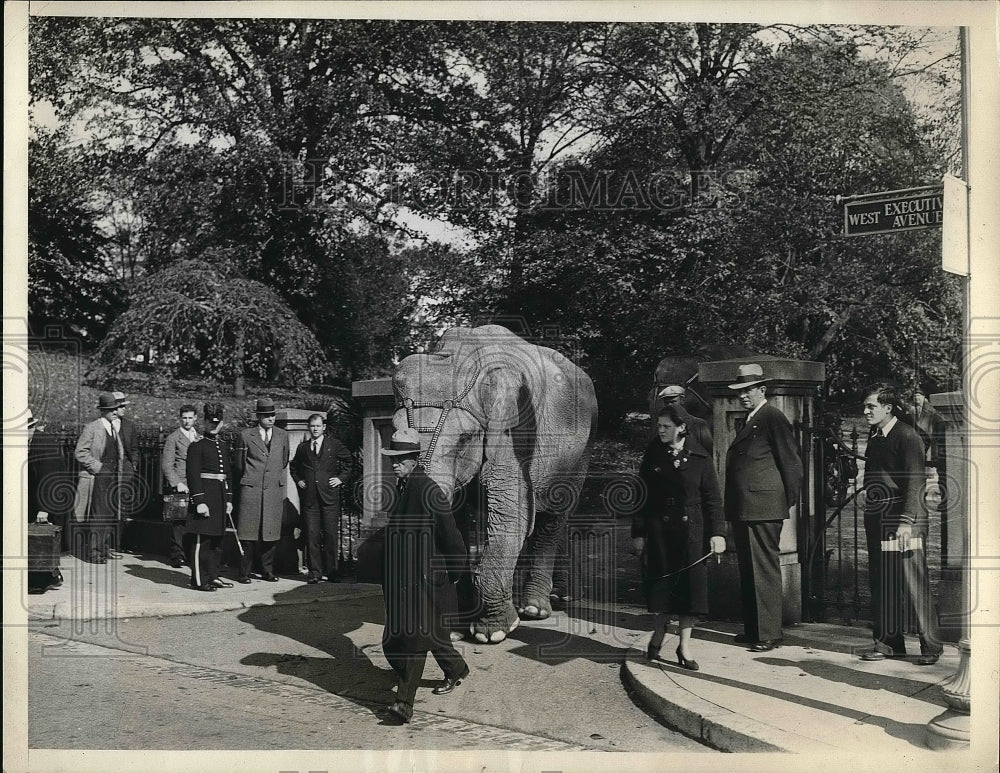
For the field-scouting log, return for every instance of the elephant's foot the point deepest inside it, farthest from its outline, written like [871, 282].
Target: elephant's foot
[535, 604]
[494, 628]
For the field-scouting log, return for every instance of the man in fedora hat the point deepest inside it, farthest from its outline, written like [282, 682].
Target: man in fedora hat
[101, 454]
[424, 553]
[209, 480]
[261, 458]
[763, 475]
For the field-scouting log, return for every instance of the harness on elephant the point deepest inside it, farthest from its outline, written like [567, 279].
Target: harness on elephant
[445, 408]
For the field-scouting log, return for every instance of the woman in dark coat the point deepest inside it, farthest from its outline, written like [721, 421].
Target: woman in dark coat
[424, 552]
[682, 506]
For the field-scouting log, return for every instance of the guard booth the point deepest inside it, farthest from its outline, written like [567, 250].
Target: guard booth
[793, 388]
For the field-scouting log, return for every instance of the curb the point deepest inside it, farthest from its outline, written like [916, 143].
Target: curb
[702, 720]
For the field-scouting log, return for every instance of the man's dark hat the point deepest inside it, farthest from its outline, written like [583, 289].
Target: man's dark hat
[107, 402]
[213, 411]
[265, 406]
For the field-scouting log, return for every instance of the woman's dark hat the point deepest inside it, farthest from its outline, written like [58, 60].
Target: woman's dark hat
[265, 407]
[747, 376]
[213, 411]
[403, 442]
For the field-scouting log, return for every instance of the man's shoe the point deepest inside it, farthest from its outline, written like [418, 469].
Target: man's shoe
[767, 645]
[876, 654]
[450, 684]
[269, 577]
[57, 579]
[243, 580]
[402, 710]
[207, 587]
[313, 580]
[928, 658]
[177, 563]
[220, 583]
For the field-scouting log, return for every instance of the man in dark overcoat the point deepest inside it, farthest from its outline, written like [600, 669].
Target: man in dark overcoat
[424, 552]
[763, 476]
[322, 468]
[98, 503]
[896, 525]
[261, 462]
[130, 484]
[209, 480]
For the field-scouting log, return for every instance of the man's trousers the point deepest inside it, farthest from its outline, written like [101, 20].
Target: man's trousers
[899, 585]
[409, 666]
[760, 577]
[204, 552]
[322, 539]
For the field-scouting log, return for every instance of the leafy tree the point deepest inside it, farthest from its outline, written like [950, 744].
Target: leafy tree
[200, 316]
[68, 281]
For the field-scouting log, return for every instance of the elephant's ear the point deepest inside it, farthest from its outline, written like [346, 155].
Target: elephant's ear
[498, 390]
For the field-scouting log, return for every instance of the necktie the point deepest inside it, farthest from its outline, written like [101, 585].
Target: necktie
[316, 447]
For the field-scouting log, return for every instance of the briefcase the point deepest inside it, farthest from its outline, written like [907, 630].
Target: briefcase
[44, 546]
[175, 507]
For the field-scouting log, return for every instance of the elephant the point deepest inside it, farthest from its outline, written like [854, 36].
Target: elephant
[517, 418]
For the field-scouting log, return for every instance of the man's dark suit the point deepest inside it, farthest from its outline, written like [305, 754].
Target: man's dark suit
[763, 476]
[894, 489]
[320, 502]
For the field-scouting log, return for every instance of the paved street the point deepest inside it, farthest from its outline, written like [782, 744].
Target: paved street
[311, 675]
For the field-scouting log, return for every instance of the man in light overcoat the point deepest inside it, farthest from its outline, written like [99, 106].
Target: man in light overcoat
[100, 452]
[261, 460]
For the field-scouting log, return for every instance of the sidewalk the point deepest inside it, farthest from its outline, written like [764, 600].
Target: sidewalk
[810, 695]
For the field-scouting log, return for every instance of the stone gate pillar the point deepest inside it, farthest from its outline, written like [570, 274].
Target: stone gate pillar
[792, 388]
[377, 403]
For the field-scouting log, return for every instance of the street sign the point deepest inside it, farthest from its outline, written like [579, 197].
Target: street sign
[894, 212]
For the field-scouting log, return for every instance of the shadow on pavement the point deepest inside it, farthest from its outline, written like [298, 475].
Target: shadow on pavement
[347, 671]
[911, 688]
[180, 578]
[553, 647]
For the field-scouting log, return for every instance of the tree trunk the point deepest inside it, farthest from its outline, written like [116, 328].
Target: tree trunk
[239, 380]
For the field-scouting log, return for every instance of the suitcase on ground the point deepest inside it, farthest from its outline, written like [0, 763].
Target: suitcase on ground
[44, 546]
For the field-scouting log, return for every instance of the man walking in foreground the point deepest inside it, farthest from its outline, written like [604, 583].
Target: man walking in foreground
[896, 524]
[763, 475]
[424, 551]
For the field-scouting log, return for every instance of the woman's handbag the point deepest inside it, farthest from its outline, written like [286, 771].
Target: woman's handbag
[175, 507]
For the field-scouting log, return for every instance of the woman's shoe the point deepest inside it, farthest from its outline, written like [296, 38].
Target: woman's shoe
[690, 665]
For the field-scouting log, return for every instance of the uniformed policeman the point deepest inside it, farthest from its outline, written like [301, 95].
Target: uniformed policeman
[209, 479]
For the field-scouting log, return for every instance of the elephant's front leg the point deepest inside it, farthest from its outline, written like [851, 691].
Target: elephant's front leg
[545, 540]
[506, 528]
